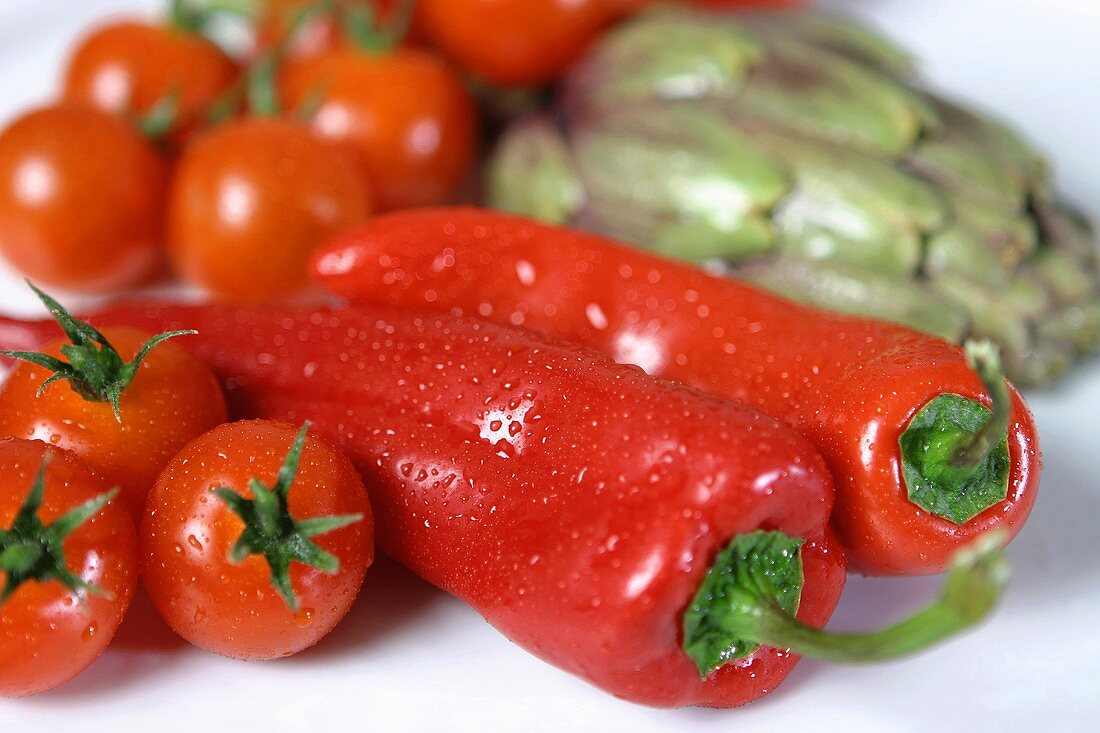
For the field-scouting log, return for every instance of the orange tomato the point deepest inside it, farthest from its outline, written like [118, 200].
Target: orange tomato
[47, 633]
[173, 398]
[126, 67]
[250, 201]
[234, 608]
[404, 112]
[81, 199]
[512, 42]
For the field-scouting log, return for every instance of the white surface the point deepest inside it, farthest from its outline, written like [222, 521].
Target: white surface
[409, 658]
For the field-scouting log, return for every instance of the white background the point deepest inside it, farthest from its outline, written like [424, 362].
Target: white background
[410, 658]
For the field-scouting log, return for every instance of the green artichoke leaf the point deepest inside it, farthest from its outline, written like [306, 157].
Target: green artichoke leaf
[1044, 360]
[683, 236]
[980, 243]
[1029, 294]
[974, 158]
[1062, 273]
[827, 96]
[848, 206]
[994, 313]
[533, 173]
[1066, 230]
[1077, 325]
[683, 161]
[665, 55]
[851, 40]
[850, 289]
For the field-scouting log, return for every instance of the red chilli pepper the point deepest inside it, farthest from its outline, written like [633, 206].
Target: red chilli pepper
[922, 464]
[653, 540]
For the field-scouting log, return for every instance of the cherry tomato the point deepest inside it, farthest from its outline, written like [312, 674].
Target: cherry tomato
[205, 567]
[405, 113]
[512, 42]
[172, 398]
[81, 199]
[51, 625]
[127, 67]
[251, 200]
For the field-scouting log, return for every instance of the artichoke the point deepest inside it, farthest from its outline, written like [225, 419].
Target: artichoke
[798, 151]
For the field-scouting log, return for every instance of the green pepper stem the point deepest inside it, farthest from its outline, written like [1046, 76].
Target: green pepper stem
[973, 586]
[972, 452]
[750, 597]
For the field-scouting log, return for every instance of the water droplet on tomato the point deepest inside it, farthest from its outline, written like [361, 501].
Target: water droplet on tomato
[89, 632]
[304, 617]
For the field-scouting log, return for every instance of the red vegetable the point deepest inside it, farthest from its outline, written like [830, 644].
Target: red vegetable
[252, 578]
[250, 201]
[856, 388]
[128, 67]
[576, 503]
[516, 42]
[123, 400]
[403, 113]
[68, 567]
[81, 199]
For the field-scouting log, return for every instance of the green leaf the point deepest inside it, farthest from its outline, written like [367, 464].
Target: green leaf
[31, 550]
[273, 533]
[94, 369]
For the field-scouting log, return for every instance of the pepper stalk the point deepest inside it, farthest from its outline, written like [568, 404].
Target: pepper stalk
[954, 453]
[749, 598]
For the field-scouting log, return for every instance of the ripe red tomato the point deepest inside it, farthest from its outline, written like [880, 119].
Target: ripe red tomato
[512, 42]
[251, 200]
[172, 398]
[126, 67]
[51, 625]
[233, 605]
[404, 112]
[81, 199]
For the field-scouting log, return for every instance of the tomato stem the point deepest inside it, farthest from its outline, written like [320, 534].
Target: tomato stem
[751, 592]
[271, 531]
[258, 84]
[162, 117]
[95, 370]
[192, 16]
[31, 550]
[363, 27]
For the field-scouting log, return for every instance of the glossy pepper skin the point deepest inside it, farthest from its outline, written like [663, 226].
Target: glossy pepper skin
[574, 502]
[850, 385]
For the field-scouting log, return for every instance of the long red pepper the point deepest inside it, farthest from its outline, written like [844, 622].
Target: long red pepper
[921, 464]
[642, 535]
